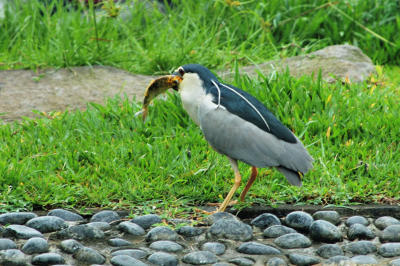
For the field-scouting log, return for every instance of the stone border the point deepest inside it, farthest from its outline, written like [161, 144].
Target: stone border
[368, 210]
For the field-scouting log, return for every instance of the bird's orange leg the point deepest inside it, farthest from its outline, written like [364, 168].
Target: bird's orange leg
[235, 186]
[253, 176]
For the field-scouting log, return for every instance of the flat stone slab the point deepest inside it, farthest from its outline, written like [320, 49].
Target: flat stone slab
[335, 62]
[22, 91]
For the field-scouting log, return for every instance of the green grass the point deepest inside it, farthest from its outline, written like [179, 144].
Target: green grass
[105, 157]
[213, 33]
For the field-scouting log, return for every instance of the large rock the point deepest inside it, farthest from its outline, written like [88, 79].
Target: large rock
[335, 62]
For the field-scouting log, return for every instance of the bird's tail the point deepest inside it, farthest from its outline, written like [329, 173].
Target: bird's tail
[293, 177]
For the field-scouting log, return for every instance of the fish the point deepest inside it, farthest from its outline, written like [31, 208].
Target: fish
[155, 88]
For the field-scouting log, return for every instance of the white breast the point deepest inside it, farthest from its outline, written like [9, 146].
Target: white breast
[193, 95]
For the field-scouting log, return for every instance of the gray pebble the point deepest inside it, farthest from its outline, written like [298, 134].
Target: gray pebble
[219, 216]
[47, 224]
[389, 250]
[105, 216]
[293, 240]
[70, 246]
[275, 261]
[134, 253]
[329, 250]
[363, 260]
[242, 261]
[66, 215]
[89, 256]
[48, 259]
[21, 231]
[383, 222]
[394, 262]
[190, 231]
[391, 233]
[330, 216]
[302, 259]
[178, 221]
[338, 260]
[230, 229]
[200, 257]
[214, 247]
[359, 231]
[146, 221]
[125, 260]
[357, 220]
[265, 220]
[119, 242]
[257, 249]
[131, 228]
[13, 257]
[81, 232]
[324, 231]
[299, 220]
[16, 217]
[6, 243]
[277, 231]
[103, 226]
[35, 245]
[164, 259]
[161, 233]
[360, 247]
[222, 264]
[166, 246]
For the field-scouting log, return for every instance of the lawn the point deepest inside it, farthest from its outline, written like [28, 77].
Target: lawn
[105, 157]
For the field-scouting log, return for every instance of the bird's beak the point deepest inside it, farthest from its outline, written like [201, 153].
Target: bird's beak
[176, 79]
[156, 87]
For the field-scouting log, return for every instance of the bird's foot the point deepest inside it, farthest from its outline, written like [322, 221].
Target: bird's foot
[217, 204]
[205, 212]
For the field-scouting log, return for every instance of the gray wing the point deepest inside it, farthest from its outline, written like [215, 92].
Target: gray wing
[238, 139]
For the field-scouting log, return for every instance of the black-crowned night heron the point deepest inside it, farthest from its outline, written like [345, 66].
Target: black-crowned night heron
[235, 124]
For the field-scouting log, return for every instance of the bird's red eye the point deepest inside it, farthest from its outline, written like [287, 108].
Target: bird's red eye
[181, 71]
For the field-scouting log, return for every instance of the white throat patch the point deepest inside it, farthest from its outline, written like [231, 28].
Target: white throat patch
[193, 95]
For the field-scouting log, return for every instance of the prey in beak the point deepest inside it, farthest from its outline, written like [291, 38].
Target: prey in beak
[155, 88]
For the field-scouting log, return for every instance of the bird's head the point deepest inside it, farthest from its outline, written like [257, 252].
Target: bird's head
[194, 72]
[185, 74]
